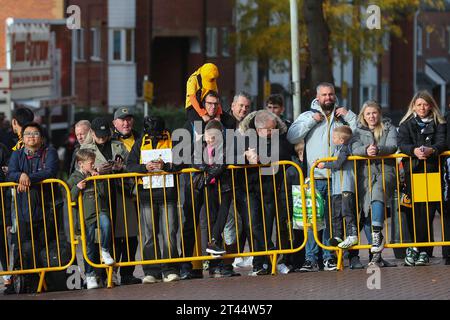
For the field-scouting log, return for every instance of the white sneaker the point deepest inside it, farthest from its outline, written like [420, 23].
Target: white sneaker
[350, 241]
[282, 268]
[91, 282]
[171, 277]
[150, 279]
[237, 262]
[243, 262]
[106, 258]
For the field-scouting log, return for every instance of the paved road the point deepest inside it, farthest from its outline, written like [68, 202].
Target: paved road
[427, 283]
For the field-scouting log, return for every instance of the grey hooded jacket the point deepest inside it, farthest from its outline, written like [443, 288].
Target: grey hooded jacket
[318, 136]
[362, 138]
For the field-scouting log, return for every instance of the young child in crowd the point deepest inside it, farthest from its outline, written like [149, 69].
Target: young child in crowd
[343, 188]
[94, 198]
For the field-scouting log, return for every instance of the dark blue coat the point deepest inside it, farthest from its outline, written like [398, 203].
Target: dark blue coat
[43, 165]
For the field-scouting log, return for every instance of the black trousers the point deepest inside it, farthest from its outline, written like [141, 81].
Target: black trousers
[343, 206]
[122, 253]
[420, 220]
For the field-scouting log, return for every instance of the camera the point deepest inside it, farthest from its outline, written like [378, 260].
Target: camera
[154, 125]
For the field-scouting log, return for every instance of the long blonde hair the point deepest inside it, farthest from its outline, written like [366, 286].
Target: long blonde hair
[378, 130]
[425, 95]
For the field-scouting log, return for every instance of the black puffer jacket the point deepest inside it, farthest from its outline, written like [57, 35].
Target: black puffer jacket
[411, 136]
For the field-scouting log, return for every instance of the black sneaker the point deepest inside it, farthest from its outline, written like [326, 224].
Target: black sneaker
[309, 266]
[423, 259]
[191, 274]
[377, 242]
[229, 273]
[259, 272]
[355, 263]
[333, 242]
[126, 280]
[214, 249]
[215, 272]
[330, 265]
[9, 290]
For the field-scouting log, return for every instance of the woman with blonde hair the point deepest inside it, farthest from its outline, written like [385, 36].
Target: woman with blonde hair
[374, 136]
[422, 136]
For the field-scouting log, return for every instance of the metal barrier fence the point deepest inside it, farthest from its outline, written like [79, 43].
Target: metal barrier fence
[174, 223]
[417, 194]
[37, 241]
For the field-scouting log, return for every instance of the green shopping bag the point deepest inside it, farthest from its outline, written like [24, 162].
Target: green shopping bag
[298, 212]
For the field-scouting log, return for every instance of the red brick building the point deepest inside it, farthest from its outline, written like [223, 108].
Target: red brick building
[420, 60]
[51, 51]
[165, 40]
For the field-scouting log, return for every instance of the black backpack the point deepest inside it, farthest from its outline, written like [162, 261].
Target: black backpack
[56, 280]
[26, 283]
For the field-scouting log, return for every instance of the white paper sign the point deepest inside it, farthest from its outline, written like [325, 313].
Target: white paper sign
[157, 181]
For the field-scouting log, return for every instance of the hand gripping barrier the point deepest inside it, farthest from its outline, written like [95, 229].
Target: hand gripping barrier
[37, 243]
[412, 190]
[165, 216]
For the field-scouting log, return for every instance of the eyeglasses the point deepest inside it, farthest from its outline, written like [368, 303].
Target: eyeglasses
[215, 104]
[32, 134]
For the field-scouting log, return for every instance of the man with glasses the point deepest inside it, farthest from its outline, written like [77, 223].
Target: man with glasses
[33, 163]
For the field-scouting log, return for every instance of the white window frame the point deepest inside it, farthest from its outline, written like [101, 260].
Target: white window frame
[211, 42]
[123, 48]
[78, 44]
[419, 40]
[96, 44]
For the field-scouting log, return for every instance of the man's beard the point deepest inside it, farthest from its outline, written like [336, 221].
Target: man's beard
[327, 106]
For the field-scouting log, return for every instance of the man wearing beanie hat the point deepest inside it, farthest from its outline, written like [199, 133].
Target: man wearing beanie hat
[198, 85]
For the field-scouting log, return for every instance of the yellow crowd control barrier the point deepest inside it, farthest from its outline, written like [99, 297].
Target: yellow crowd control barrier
[416, 197]
[167, 214]
[37, 234]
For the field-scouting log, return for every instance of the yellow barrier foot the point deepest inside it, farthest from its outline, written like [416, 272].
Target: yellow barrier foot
[109, 272]
[340, 259]
[41, 282]
[274, 265]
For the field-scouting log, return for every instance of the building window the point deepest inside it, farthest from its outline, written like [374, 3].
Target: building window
[95, 44]
[225, 42]
[365, 94]
[384, 94]
[129, 45]
[211, 42]
[122, 45]
[419, 40]
[78, 44]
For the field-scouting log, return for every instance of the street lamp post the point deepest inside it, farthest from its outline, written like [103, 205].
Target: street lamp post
[295, 60]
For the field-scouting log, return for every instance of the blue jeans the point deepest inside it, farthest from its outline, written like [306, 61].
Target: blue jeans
[377, 213]
[312, 248]
[105, 239]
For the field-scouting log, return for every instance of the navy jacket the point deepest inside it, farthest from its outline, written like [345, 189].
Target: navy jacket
[43, 165]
